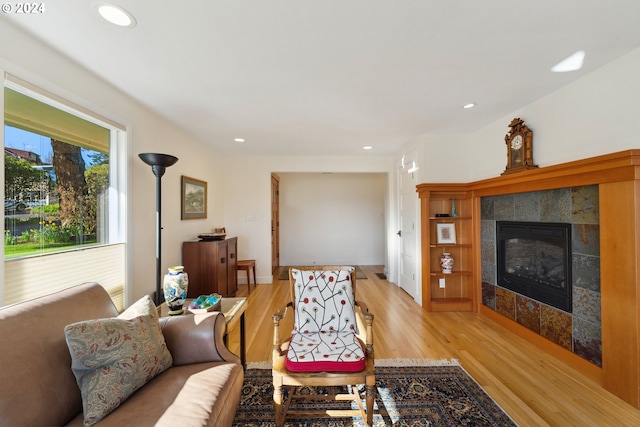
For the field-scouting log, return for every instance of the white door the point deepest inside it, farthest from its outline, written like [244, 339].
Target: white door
[407, 234]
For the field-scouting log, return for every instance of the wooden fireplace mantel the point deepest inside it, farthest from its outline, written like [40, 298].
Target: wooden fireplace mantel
[618, 178]
[615, 167]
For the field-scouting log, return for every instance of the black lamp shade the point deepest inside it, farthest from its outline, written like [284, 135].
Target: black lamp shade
[157, 159]
[158, 162]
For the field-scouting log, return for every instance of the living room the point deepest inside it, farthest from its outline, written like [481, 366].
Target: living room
[593, 115]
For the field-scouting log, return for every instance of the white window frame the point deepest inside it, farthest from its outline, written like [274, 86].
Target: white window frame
[104, 262]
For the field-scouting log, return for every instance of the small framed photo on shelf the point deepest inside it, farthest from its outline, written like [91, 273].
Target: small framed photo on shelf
[194, 198]
[446, 234]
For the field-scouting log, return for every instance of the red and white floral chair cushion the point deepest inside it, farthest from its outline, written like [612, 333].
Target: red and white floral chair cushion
[324, 338]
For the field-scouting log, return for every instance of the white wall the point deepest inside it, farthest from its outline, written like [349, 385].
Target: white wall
[30, 60]
[247, 190]
[595, 115]
[441, 158]
[332, 218]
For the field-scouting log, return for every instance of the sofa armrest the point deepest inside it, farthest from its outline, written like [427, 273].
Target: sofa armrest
[196, 338]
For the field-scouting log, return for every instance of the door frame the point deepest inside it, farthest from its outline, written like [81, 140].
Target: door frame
[402, 170]
[275, 222]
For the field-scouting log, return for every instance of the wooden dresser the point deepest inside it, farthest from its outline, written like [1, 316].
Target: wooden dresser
[211, 266]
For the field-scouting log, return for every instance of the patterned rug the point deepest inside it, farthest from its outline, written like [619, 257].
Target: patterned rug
[284, 274]
[443, 395]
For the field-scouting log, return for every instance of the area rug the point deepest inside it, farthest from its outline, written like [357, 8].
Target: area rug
[284, 274]
[440, 395]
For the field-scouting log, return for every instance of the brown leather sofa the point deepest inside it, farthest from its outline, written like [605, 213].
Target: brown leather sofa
[38, 387]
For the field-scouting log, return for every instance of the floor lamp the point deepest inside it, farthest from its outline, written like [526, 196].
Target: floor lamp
[158, 163]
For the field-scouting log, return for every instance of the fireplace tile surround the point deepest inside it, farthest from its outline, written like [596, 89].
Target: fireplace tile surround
[580, 331]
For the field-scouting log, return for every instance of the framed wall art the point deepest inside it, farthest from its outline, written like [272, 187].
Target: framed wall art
[194, 198]
[446, 234]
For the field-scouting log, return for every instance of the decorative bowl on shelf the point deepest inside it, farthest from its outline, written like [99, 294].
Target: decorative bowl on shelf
[212, 236]
[205, 303]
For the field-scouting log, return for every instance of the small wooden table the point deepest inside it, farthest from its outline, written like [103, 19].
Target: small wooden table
[233, 310]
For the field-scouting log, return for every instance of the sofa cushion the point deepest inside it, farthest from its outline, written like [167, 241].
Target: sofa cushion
[198, 395]
[112, 358]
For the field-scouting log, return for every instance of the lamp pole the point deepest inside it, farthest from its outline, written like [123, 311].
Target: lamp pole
[158, 163]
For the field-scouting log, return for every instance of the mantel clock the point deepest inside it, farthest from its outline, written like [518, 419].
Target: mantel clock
[519, 143]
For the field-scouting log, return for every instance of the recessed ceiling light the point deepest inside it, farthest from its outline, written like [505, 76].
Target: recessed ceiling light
[116, 15]
[572, 63]
[368, 147]
[239, 139]
[469, 105]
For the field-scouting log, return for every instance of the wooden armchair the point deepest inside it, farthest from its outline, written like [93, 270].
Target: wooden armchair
[331, 343]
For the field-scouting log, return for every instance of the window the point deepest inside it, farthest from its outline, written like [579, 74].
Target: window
[62, 191]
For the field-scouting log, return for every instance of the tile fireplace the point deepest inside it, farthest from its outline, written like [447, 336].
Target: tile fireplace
[549, 281]
[534, 259]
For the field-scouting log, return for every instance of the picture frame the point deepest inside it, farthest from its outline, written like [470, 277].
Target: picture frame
[446, 234]
[193, 200]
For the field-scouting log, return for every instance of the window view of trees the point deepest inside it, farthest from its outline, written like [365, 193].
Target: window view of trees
[55, 194]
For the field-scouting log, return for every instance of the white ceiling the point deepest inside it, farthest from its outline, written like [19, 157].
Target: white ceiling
[324, 77]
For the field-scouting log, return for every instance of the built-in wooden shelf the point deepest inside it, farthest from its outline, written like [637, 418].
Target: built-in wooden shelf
[453, 273]
[449, 218]
[458, 293]
[451, 304]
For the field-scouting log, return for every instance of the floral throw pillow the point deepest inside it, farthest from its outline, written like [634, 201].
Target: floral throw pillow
[324, 301]
[112, 358]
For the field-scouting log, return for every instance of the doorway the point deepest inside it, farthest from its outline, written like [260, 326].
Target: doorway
[332, 218]
[407, 235]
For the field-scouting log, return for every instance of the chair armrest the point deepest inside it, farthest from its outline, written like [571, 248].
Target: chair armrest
[277, 341]
[364, 310]
[280, 314]
[196, 338]
[365, 322]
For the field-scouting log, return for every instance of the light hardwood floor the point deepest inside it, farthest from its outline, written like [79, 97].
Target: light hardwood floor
[534, 388]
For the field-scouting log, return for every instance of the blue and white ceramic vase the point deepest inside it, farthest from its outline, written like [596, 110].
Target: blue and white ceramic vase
[175, 285]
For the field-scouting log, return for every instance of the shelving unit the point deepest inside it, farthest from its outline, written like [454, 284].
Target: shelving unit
[458, 293]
